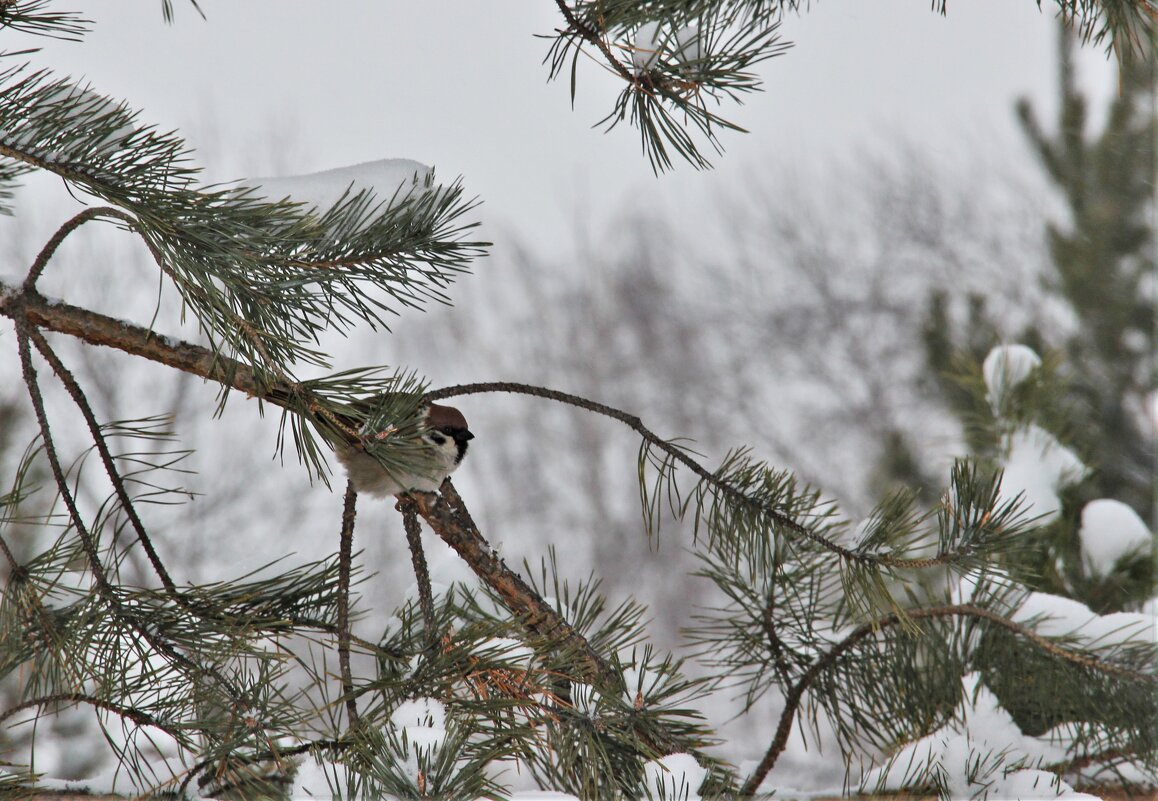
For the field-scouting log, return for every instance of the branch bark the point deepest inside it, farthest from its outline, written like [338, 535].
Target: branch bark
[451, 523]
[98, 329]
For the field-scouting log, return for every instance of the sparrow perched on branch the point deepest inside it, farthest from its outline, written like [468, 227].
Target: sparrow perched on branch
[445, 431]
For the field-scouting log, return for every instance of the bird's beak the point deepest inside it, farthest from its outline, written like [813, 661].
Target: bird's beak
[465, 435]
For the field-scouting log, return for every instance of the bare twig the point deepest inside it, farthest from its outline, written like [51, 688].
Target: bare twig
[345, 556]
[129, 713]
[110, 466]
[636, 424]
[409, 512]
[50, 247]
[88, 544]
[105, 588]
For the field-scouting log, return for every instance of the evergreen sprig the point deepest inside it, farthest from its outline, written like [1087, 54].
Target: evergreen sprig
[10, 172]
[37, 17]
[264, 277]
[671, 84]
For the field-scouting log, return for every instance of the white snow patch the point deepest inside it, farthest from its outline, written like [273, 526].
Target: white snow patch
[1056, 616]
[1005, 367]
[586, 699]
[675, 776]
[509, 650]
[984, 743]
[1036, 467]
[424, 712]
[311, 781]
[392, 180]
[645, 52]
[1029, 785]
[422, 723]
[688, 48]
[1111, 530]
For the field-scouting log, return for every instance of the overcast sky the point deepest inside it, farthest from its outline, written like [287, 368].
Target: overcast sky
[460, 85]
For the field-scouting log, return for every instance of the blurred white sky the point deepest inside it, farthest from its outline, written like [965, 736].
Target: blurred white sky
[460, 85]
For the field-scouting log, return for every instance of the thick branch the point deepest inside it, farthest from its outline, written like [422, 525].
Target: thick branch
[459, 532]
[97, 329]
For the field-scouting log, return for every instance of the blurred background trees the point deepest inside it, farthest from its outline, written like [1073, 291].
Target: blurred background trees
[822, 315]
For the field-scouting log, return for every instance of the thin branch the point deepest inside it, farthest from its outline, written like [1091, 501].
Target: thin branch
[775, 644]
[98, 329]
[591, 35]
[52, 244]
[106, 456]
[796, 693]
[345, 556]
[409, 511]
[104, 586]
[88, 544]
[296, 750]
[129, 713]
[636, 424]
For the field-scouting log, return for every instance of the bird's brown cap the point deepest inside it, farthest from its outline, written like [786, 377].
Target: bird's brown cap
[440, 416]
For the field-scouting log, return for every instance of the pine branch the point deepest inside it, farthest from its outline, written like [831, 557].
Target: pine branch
[35, 17]
[99, 329]
[589, 34]
[127, 712]
[264, 279]
[126, 503]
[105, 588]
[10, 172]
[677, 454]
[50, 247]
[795, 695]
[669, 75]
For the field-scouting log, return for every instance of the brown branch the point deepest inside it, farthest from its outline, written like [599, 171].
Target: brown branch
[796, 693]
[81, 401]
[636, 424]
[105, 588]
[129, 713]
[289, 751]
[50, 247]
[88, 544]
[345, 556]
[533, 612]
[586, 32]
[409, 510]
[98, 329]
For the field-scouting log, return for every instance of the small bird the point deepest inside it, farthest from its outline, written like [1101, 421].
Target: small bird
[448, 436]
